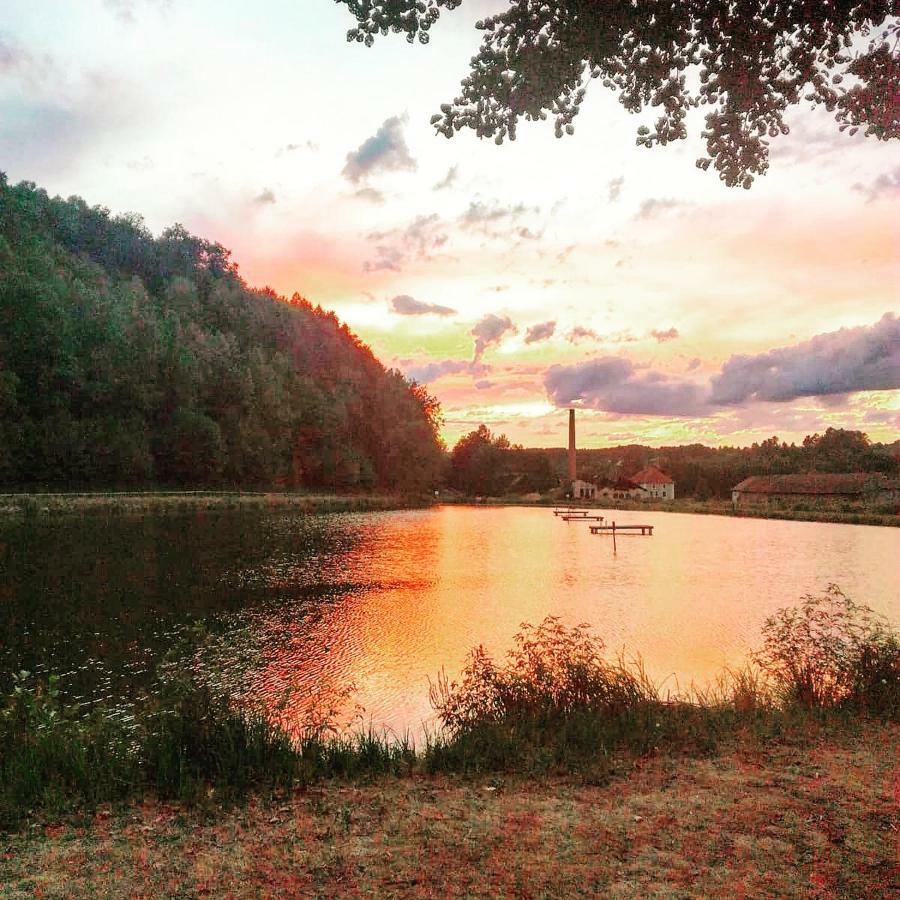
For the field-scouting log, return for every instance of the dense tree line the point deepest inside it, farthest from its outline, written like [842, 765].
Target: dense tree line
[129, 360]
[706, 472]
[484, 464]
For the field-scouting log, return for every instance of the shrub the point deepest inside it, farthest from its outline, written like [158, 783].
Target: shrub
[52, 758]
[552, 673]
[832, 652]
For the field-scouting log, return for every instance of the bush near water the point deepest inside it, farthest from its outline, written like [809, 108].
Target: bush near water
[554, 704]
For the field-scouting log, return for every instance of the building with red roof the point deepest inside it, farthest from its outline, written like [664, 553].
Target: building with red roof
[657, 484]
[859, 488]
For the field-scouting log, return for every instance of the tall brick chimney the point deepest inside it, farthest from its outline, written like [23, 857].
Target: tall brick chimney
[572, 469]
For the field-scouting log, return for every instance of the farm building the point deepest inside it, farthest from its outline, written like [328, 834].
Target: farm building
[657, 484]
[621, 489]
[583, 490]
[859, 489]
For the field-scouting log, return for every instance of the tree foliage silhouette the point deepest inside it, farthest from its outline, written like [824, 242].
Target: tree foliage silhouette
[746, 61]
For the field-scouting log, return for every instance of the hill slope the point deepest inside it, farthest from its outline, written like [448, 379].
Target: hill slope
[132, 361]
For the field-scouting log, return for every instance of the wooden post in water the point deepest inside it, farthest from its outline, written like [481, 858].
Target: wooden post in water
[614, 536]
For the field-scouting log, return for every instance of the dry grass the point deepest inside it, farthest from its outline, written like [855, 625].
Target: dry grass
[815, 817]
[140, 502]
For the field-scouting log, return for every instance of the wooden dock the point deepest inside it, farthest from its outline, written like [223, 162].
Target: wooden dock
[580, 517]
[618, 529]
[570, 511]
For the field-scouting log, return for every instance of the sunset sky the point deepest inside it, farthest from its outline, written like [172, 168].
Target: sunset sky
[513, 280]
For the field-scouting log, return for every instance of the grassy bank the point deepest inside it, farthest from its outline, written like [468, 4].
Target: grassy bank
[807, 816]
[700, 507]
[161, 502]
[554, 706]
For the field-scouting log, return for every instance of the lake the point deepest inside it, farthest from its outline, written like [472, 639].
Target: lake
[301, 608]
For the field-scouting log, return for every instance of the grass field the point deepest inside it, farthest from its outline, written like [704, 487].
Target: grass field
[810, 816]
[139, 502]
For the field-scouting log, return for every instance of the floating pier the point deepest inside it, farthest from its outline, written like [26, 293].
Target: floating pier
[618, 529]
[580, 517]
[570, 511]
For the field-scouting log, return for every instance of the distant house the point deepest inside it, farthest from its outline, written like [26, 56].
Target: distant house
[621, 489]
[861, 489]
[583, 490]
[657, 484]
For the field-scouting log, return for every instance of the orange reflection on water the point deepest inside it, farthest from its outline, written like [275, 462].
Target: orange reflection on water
[690, 599]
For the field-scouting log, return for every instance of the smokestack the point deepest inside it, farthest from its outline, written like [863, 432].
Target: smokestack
[572, 470]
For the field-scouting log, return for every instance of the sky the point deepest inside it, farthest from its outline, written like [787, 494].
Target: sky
[512, 280]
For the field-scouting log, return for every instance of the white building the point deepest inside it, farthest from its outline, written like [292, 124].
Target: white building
[583, 490]
[656, 483]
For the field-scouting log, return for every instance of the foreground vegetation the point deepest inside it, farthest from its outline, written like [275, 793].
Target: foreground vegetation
[810, 815]
[555, 706]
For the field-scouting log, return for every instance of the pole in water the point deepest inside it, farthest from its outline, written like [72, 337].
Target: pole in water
[614, 537]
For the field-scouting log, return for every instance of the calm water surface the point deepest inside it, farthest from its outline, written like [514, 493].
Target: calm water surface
[303, 608]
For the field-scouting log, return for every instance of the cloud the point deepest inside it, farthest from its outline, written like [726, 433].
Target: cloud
[613, 384]
[483, 385]
[126, 10]
[829, 365]
[579, 333]
[540, 332]
[17, 62]
[385, 151]
[489, 331]
[418, 240]
[498, 221]
[448, 180]
[615, 188]
[265, 197]
[479, 213]
[62, 122]
[427, 372]
[293, 148]
[145, 164]
[885, 186]
[405, 305]
[662, 336]
[388, 258]
[694, 364]
[653, 206]
[851, 359]
[370, 194]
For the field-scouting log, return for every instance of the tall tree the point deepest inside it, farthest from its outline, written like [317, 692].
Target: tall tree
[745, 61]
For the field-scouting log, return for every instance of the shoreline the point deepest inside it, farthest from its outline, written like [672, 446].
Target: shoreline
[60, 503]
[53, 503]
[693, 507]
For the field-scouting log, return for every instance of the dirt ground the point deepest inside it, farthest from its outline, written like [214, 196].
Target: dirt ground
[789, 821]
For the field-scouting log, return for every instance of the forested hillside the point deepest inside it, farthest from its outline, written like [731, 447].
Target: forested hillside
[131, 361]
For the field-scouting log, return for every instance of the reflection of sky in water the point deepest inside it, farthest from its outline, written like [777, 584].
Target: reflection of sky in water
[414, 591]
[301, 607]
